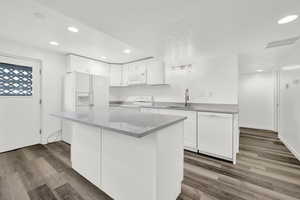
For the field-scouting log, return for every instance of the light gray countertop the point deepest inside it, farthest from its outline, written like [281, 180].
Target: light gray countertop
[126, 122]
[198, 107]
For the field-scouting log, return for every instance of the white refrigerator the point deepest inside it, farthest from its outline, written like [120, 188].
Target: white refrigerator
[82, 93]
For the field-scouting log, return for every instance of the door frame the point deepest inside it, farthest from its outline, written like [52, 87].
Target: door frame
[276, 105]
[277, 101]
[40, 67]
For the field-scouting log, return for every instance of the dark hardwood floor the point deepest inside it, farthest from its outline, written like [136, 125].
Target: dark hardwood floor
[265, 170]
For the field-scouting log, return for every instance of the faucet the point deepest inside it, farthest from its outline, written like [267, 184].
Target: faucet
[186, 97]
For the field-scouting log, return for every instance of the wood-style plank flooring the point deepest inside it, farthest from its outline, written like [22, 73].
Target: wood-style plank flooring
[265, 170]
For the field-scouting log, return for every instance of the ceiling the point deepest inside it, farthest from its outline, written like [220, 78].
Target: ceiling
[210, 25]
[33, 24]
[156, 27]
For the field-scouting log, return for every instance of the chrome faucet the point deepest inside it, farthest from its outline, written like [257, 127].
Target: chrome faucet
[186, 97]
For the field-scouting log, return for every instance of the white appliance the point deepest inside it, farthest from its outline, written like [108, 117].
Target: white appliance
[82, 93]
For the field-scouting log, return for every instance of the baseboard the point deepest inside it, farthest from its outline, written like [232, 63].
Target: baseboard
[257, 129]
[294, 152]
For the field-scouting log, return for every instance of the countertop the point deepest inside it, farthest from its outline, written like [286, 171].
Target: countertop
[132, 123]
[198, 107]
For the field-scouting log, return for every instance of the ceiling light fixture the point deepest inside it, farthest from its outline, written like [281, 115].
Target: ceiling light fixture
[127, 51]
[73, 29]
[259, 70]
[54, 43]
[291, 67]
[287, 19]
[103, 57]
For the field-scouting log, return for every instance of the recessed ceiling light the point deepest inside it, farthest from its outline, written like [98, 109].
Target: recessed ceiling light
[73, 29]
[54, 43]
[128, 51]
[103, 57]
[287, 19]
[259, 70]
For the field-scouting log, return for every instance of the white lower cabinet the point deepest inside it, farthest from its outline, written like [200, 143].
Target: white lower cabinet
[215, 134]
[86, 152]
[190, 125]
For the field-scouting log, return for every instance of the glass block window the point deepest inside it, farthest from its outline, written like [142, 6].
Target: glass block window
[15, 80]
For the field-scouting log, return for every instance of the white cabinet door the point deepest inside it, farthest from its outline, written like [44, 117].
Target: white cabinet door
[190, 126]
[86, 152]
[125, 75]
[155, 72]
[137, 73]
[215, 134]
[115, 75]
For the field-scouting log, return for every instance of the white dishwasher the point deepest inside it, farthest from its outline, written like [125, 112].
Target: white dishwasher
[215, 134]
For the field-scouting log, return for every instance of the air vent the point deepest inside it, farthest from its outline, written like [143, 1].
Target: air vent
[284, 42]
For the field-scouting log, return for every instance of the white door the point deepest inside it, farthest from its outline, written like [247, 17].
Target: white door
[19, 103]
[257, 101]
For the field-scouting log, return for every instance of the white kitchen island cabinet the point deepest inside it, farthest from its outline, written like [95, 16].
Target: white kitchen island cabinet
[129, 155]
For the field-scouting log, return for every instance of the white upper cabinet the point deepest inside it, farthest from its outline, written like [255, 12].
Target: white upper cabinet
[137, 73]
[155, 72]
[125, 75]
[116, 73]
[85, 65]
[150, 72]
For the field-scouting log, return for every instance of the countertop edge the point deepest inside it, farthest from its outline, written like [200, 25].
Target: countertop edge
[193, 110]
[139, 135]
[172, 108]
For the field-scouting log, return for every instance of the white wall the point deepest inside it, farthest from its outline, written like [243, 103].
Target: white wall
[211, 80]
[54, 66]
[257, 100]
[289, 127]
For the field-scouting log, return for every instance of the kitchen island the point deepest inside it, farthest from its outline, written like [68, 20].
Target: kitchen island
[127, 154]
